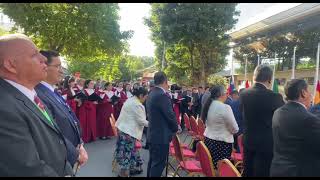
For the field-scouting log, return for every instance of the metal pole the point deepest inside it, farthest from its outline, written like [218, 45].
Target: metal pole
[274, 69]
[232, 78]
[258, 60]
[245, 69]
[317, 74]
[163, 55]
[293, 62]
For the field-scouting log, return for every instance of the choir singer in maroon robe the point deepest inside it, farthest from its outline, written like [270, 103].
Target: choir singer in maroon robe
[104, 111]
[87, 114]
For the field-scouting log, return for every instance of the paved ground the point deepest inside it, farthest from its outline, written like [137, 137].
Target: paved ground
[100, 155]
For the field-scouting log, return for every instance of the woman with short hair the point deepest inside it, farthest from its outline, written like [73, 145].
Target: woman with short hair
[130, 124]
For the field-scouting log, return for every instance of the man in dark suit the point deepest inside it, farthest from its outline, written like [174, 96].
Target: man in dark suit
[200, 92]
[186, 103]
[195, 102]
[61, 112]
[257, 105]
[296, 134]
[31, 142]
[162, 125]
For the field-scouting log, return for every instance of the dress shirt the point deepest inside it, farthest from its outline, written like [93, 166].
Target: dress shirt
[27, 92]
[48, 85]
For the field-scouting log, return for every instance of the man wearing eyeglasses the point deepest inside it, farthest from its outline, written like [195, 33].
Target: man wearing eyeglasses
[63, 115]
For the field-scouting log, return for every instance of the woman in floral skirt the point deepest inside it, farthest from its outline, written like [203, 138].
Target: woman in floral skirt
[130, 124]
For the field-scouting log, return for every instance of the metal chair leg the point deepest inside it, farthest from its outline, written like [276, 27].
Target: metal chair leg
[176, 172]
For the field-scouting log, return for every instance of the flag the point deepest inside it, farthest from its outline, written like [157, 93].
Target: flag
[317, 96]
[275, 86]
[247, 84]
[231, 87]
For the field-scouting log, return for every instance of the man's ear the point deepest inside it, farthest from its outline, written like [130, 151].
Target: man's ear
[10, 65]
[303, 93]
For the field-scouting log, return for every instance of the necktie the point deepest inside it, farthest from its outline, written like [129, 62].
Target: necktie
[65, 104]
[42, 109]
[59, 97]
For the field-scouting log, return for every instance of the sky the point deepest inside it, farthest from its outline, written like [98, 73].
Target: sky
[132, 15]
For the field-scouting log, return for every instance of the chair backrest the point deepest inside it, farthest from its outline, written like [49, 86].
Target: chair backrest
[201, 127]
[194, 125]
[240, 143]
[113, 125]
[227, 169]
[186, 121]
[177, 148]
[205, 159]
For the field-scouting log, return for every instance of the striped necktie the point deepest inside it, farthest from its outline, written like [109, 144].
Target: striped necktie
[41, 107]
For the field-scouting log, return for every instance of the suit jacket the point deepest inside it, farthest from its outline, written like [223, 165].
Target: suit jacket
[205, 97]
[257, 105]
[65, 119]
[196, 103]
[296, 134]
[184, 105]
[30, 145]
[162, 120]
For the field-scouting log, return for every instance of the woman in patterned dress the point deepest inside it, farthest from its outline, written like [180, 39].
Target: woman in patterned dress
[130, 124]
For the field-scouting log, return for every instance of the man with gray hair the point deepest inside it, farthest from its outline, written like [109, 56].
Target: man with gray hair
[31, 143]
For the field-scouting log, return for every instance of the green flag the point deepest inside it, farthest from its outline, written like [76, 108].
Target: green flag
[275, 86]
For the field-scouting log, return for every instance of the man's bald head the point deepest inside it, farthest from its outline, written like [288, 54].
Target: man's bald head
[9, 45]
[20, 60]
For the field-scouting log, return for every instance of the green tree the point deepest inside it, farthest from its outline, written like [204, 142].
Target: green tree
[195, 29]
[218, 80]
[74, 29]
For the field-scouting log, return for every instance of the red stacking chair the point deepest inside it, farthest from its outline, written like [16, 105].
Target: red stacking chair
[192, 166]
[187, 125]
[113, 125]
[227, 169]
[205, 159]
[194, 129]
[238, 157]
[201, 129]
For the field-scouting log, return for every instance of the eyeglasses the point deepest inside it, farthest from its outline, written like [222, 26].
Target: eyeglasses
[58, 66]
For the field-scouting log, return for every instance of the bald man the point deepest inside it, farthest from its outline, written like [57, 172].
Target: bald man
[31, 144]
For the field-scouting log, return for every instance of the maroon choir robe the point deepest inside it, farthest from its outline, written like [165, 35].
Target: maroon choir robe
[104, 111]
[118, 106]
[87, 118]
[70, 98]
[176, 108]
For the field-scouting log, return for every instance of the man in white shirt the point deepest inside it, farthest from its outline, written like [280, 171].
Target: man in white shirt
[31, 143]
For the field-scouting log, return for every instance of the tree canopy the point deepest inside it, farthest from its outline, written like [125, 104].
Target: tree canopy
[194, 35]
[73, 29]
[86, 34]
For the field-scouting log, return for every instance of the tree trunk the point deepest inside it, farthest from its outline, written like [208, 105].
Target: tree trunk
[191, 50]
[203, 68]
